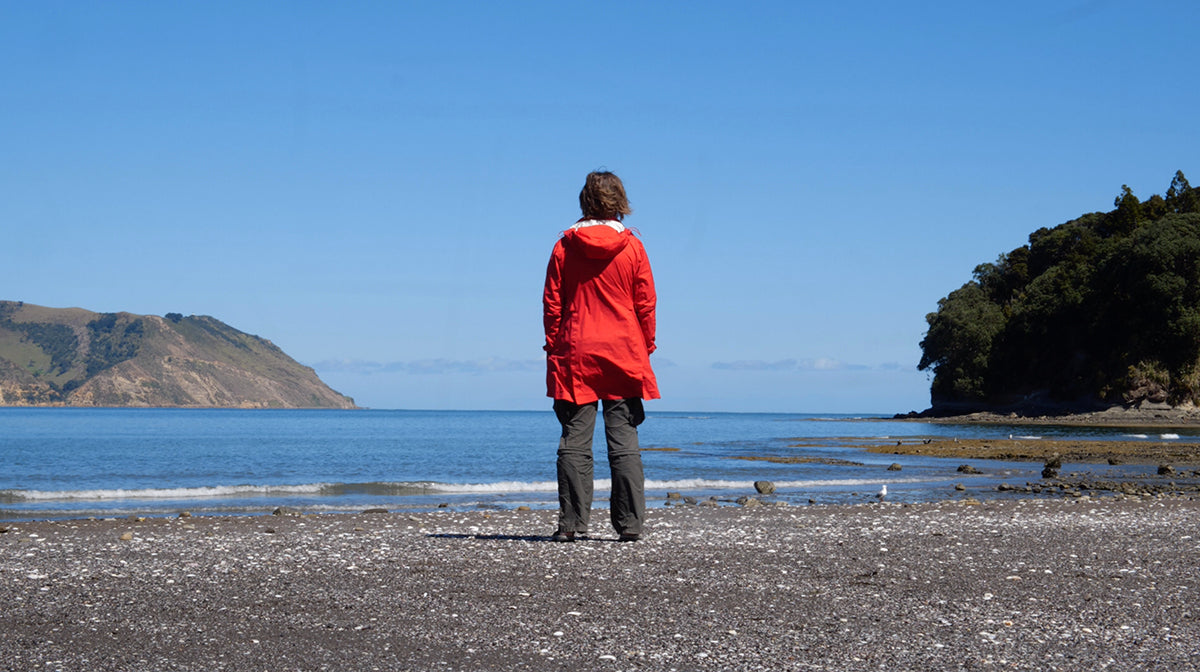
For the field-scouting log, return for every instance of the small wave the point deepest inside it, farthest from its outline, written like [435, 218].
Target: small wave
[846, 482]
[693, 484]
[708, 484]
[394, 489]
[388, 489]
[208, 492]
[501, 487]
[1138, 436]
[1168, 436]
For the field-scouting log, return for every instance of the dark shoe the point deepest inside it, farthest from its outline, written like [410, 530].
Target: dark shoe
[563, 536]
[629, 537]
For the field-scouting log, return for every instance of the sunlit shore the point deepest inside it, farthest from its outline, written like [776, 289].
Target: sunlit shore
[1019, 584]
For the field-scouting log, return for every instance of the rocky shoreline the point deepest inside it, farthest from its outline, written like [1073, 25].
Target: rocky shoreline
[1045, 584]
[1176, 465]
[1141, 415]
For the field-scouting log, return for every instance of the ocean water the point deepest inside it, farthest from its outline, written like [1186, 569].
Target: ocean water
[73, 463]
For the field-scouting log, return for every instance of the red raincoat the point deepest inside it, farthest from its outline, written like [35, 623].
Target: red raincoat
[598, 309]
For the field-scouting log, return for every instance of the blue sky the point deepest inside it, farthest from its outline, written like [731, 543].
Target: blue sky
[376, 187]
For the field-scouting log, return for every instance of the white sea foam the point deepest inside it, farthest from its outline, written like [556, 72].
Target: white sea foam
[1138, 436]
[600, 484]
[501, 487]
[706, 484]
[1168, 436]
[163, 493]
[398, 489]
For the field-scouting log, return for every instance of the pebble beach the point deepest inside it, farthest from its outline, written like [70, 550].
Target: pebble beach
[1028, 584]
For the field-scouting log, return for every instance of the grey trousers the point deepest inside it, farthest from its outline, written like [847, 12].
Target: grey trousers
[575, 474]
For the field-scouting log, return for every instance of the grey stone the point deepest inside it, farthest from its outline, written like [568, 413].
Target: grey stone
[764, 487]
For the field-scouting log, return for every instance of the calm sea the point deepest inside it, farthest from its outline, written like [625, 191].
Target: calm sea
[71, 463]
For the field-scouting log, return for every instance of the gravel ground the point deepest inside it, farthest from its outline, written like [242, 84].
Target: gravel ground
[1026, 584]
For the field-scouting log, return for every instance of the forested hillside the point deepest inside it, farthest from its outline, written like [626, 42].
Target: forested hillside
[1104, 308]
[75, 357]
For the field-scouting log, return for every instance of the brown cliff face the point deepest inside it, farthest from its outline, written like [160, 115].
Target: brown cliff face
[73, 357]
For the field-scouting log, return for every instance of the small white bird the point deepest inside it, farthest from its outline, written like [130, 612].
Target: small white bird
[882, 493]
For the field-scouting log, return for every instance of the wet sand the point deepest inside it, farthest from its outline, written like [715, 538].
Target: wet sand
[1032, 584]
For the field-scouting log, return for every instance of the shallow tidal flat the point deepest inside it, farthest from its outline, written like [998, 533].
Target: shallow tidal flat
[1112, 452]
[1177, 472]
[1030, 584]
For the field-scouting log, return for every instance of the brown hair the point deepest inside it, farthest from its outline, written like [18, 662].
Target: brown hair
[603, 197]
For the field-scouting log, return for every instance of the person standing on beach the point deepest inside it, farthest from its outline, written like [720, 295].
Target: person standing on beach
[598, 309]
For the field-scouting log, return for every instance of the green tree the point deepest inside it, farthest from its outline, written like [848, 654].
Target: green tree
[1181, 197]
[958, 345]
[1003, 280]
[112, 341]
[1164, 299]
[1044, 344]
[1128, 213]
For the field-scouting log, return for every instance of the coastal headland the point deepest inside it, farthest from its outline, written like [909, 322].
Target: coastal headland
[76, 357]
[1028, 584]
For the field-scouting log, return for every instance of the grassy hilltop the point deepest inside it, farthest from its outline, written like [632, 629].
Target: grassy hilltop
[75, 357]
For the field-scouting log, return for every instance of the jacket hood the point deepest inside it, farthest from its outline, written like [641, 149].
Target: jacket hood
[597, 242]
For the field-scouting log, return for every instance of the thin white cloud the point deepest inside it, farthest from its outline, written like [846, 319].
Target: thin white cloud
[756, 365]
[813, 364]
